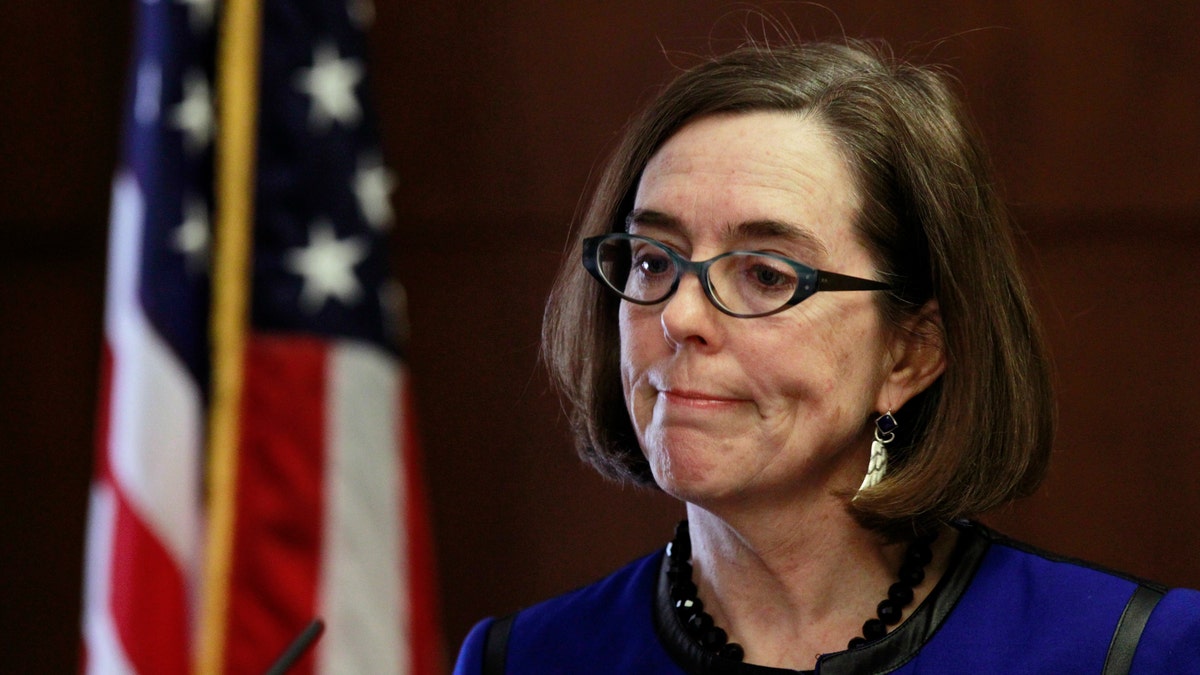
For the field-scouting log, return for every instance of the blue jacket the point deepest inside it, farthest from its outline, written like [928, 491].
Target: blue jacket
[1001, 607]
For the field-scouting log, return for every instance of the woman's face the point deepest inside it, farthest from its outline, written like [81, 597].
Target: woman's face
[754, 409]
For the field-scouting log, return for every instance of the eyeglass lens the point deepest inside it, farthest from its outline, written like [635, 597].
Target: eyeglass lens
[744, 283]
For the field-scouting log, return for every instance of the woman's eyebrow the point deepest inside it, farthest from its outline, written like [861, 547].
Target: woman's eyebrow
[651, 217]
[777, 229]
[750, 230]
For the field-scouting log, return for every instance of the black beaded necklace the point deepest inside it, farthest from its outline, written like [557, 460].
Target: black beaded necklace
[713, 638]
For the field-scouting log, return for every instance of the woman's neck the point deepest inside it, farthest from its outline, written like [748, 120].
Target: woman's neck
[791, 588]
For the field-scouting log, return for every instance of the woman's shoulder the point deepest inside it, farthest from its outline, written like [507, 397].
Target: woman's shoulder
[578, 631]
[1171, 640]
[595, 607]
[1040, 567]
[1027, 601]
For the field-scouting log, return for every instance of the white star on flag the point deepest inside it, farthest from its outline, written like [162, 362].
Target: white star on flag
[327, 267]
[200, 13]
[194, 114]
[373, 184]
[191, 238]
[331, 82]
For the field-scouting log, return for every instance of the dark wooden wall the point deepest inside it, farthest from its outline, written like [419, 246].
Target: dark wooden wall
[496, 115]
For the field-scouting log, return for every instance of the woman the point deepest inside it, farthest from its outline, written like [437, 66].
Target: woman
[800, 313]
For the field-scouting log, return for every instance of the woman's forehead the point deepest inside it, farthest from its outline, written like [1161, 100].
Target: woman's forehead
[749, 175]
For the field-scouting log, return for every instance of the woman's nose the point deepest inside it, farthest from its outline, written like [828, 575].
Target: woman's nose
[689, 317]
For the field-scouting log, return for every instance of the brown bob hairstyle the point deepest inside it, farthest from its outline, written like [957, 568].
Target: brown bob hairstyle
[980, 435]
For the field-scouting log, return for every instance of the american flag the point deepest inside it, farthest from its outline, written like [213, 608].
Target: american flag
[255, 463]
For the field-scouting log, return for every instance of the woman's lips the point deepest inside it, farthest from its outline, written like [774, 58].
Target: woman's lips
[696, 399]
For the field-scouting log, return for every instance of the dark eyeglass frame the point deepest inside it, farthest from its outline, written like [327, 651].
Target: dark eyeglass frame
[810, 281]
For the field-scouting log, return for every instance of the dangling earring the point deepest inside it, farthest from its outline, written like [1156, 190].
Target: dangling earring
[885, 428]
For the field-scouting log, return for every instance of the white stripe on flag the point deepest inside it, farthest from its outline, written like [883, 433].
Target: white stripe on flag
[104, 653]
[156, 424]
[362, 595]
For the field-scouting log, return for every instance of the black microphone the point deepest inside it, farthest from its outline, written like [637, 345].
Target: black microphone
[294, 651]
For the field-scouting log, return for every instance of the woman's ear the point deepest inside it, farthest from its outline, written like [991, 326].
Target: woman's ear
[918, 358]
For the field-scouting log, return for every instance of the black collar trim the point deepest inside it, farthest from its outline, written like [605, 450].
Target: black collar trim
[894, 650]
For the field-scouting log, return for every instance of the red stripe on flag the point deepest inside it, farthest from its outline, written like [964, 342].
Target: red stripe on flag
[147, 595]
[281, 461]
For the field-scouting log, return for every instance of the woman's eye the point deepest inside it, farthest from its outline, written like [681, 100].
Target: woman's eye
[770, 276]
[652, 262]
[767, 276]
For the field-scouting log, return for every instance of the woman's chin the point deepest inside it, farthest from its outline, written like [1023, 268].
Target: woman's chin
[693, 482]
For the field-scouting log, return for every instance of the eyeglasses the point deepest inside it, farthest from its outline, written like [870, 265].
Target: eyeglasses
[745, 284]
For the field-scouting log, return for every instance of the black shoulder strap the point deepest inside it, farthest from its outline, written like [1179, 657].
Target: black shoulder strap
[495, 646]
[1129, 629]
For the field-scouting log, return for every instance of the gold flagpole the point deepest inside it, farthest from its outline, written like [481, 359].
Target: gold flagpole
[237, 114]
